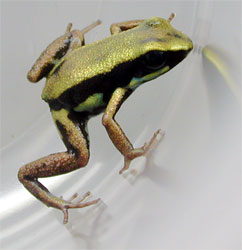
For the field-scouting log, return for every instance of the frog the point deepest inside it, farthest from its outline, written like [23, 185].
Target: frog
[85, 80]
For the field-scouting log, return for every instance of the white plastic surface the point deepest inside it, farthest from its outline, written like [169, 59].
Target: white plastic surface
[190, 198]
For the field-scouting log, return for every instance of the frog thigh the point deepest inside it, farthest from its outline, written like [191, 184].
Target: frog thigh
[56, 50]
[73, 131]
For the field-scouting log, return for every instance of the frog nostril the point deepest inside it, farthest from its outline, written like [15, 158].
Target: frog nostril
[178, 36]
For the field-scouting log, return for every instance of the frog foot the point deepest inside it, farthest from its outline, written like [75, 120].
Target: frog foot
[146, 150]
[68, 204]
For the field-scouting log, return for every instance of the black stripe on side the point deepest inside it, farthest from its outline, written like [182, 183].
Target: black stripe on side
[64, 134]
[80, 120]
[106, 84]
[54, 104]
[120, 76]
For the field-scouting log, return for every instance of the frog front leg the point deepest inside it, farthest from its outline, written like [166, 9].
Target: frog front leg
[117, 135]
[74, 135]
[116, 28]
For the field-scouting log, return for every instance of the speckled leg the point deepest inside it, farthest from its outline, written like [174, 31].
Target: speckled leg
[72, 39]
[78, 35]
[119, 27]
[116, 134]
[76, 157]
[122, 26]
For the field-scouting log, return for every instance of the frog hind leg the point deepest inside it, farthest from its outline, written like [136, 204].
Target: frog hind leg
[76, 157]
[60, 47]
[116, 134]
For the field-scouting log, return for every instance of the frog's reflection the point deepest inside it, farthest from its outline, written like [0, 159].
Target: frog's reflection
[90, 226]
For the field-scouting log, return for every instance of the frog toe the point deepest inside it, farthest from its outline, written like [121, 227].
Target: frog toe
[146, 150]
[80, 204]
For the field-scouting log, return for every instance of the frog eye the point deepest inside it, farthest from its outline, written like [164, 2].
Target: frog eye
[155, 59]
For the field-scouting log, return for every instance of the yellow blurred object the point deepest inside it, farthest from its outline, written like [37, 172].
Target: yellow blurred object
[211, 55]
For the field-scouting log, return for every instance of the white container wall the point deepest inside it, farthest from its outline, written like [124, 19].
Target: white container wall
[190, 197]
